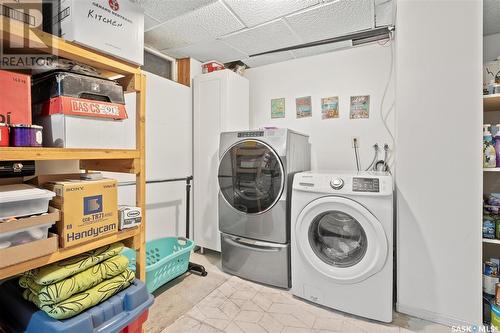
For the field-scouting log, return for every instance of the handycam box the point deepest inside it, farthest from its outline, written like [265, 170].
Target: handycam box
[89, 209]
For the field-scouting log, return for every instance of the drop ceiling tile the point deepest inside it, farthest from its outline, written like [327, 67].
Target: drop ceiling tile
[310, 51]
[216, 18]
[173, 34]
[269, 36]
[175, 53]
[149, 22]
[268, 59]
[164, 10]
[209, 50]
[332, 19]
[205, 23]
[254, 12]
[491, 13]
[384, 13]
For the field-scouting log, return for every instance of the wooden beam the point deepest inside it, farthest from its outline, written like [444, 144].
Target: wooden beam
[46, 154]
[184, 71]
[125, 166]
[140, 188]
[130, 83]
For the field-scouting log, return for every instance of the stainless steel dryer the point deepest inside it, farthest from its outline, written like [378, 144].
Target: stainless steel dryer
[255, 175]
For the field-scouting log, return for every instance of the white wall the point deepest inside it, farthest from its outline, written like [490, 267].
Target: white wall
[358, 71]
[491, 47]
[438, 166]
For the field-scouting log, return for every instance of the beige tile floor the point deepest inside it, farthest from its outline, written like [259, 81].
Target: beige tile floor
[222, 303]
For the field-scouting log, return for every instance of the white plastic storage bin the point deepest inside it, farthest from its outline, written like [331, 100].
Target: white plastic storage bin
[22, 236]
[23, 200]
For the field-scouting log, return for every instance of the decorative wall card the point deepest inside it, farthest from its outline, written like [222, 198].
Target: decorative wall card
[304, 106]
[329, 107]
[278, 108]
[360, 107]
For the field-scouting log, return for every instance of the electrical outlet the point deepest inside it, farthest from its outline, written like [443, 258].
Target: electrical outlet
[355, 142]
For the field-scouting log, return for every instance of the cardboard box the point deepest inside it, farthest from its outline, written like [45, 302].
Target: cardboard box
[15, 97]
[129, 216]
[115, 27]
[20, 253]
[89, 209]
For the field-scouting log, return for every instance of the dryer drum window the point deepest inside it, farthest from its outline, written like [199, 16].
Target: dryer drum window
[337, 239]
[251, 177]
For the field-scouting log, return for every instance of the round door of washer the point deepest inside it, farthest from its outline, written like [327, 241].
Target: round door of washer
[341, 239]
[251, 177]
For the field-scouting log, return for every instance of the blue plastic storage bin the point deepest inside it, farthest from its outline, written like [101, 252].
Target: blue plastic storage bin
[111, 316]
[166, 259]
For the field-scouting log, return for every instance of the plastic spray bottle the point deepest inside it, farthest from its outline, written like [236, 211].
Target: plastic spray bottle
[489, 153]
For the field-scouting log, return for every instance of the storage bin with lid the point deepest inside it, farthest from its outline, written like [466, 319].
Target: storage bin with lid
[25, 230]
[23, 200]
[111, 316]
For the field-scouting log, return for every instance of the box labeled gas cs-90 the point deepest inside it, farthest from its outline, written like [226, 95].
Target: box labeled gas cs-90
[89, 209]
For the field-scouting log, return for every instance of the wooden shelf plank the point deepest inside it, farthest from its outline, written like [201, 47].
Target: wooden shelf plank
[67, 252]
[491, 102]
[35, 39]
[123, 166]
[491, 169]
[491, 241]
[44, 154]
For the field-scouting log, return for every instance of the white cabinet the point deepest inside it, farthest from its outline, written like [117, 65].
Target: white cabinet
[221, 103]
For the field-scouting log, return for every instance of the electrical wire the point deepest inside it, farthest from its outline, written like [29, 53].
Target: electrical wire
[358, 165]
[386, 153]
[375, 157]
[385, 117]
[384, 95]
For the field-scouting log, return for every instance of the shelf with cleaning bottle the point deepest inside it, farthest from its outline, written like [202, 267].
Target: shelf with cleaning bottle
[491, 147]
[491, 102]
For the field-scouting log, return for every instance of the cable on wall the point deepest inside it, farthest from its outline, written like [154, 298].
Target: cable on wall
[384, 117]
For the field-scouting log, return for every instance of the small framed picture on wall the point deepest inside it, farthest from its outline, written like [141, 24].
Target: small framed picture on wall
[303, 106]
[360, 107]
[277, 108]
[330, 107]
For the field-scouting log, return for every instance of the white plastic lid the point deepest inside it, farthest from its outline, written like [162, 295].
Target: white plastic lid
[22, 192]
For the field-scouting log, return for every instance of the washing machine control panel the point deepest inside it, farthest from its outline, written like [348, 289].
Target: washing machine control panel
[250, 134]
[365, 184]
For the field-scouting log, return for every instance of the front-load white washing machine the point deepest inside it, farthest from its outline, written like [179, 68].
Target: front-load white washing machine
[341, 241]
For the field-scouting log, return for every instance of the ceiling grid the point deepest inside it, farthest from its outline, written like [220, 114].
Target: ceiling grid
[230, 30]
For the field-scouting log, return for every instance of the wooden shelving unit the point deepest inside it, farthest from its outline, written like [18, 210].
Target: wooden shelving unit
[61, 254]
[491, 102]
[491, 241]
[115, 160]
[491, 169]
